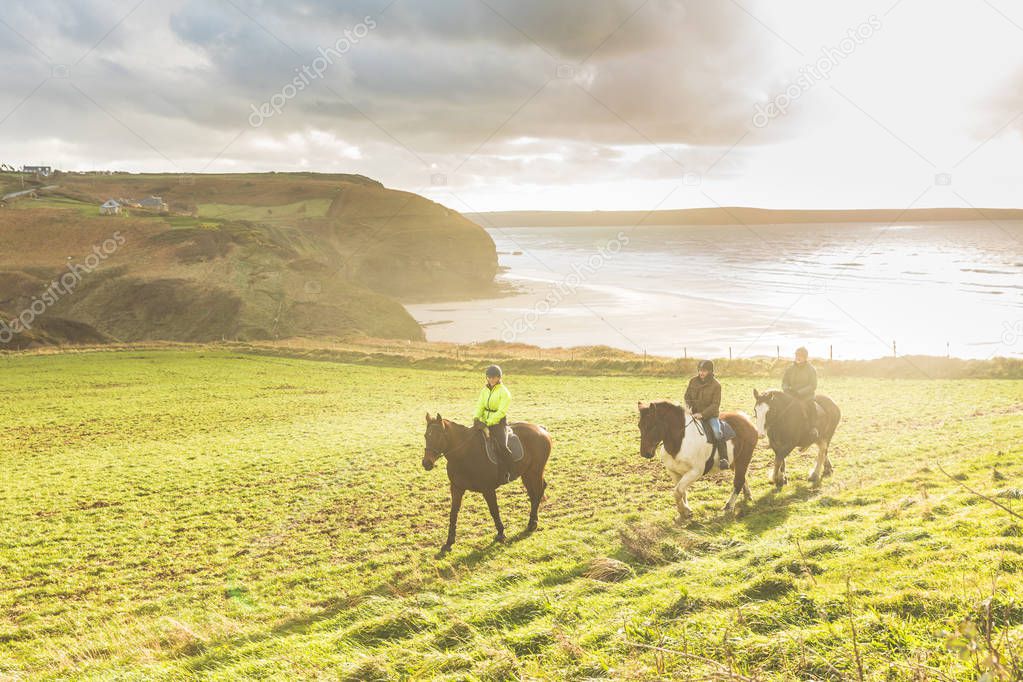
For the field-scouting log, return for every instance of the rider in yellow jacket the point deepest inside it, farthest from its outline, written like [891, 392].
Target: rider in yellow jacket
[492, 412]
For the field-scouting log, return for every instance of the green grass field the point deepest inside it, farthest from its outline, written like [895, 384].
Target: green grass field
[286, 213]
[208, 514]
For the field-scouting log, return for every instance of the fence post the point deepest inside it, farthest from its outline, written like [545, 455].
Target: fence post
[729, 352]
[831, 353]
[685, 353]
[777, 352]
[895, 353]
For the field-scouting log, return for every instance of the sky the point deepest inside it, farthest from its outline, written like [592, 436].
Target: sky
[535, 104]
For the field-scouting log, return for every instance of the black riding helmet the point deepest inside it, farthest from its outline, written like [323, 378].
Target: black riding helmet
[494, 371]
[707, 365]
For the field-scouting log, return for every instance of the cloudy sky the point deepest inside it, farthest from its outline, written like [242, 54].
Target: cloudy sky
[535, 104]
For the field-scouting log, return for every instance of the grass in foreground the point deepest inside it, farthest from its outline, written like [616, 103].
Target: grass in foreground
[219, 515]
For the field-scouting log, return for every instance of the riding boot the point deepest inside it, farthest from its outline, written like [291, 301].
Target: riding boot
[505, 466]
[722, 449]
[505, 470]
[810, 410]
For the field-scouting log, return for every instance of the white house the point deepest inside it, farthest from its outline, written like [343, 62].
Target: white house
[110, 207]
[154, 204]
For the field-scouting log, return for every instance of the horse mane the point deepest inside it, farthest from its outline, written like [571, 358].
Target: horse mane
[458, 427]
[666, 403]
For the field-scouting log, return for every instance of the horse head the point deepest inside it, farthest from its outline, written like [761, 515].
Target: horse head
[436, 440]
[660, 422]
[772, 402]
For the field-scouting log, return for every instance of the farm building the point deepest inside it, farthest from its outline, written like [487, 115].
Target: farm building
[38, 170]
[154, 204]
[110, 207]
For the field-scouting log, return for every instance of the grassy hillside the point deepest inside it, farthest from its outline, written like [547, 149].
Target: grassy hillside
[239, 257]
[216, 515]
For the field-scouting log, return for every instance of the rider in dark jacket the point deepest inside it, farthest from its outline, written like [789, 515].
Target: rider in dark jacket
[703, 398]
[800, 382]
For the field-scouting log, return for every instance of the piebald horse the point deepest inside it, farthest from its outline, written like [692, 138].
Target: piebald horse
[780, 417]
[687, 455]
[470, 469]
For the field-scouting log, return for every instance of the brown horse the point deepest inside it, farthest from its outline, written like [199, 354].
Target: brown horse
[470, 469]
[781, 419]
[664, 426]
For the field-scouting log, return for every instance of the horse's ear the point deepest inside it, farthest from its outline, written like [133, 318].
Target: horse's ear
[438, 417]
[428, 420]
[643, 407]
[756, 394]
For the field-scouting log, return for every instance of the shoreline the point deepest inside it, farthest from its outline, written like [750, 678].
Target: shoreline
[731, 216]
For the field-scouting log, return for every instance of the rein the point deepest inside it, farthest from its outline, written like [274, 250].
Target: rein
[464, 444]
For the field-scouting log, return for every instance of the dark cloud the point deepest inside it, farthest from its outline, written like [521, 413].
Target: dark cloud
[444, 78]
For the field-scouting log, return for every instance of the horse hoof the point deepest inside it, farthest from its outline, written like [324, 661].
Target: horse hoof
[500, 538]
[531, 527]
[444, 550]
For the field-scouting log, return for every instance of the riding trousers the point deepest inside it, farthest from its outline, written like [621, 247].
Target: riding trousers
[714, 424]
[499, 434]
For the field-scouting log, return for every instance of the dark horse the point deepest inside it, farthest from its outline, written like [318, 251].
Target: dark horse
[469, 468]
[780, 417]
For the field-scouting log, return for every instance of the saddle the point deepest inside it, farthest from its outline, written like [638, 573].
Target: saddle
[727, 432]
[514, 446]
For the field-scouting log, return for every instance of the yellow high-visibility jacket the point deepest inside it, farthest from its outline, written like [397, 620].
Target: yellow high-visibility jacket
[493, 404]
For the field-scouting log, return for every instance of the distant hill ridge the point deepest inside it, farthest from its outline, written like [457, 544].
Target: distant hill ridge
[737, 215]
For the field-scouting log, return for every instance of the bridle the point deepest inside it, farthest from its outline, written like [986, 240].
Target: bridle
[437, 453]
[685, 425]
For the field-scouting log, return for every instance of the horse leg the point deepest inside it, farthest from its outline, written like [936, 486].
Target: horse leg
[456, 504]
[740, 462]
[817, 468]
[491, 497]
[778, 476]
[775, 476]
[746, 493]
[534, 488]
[828, 468]
[681, 498]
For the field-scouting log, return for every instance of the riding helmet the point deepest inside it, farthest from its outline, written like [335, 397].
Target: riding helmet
[707, 365]
[494, 371]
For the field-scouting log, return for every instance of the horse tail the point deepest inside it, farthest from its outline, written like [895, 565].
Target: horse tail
[745, 443]
[833, 413]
